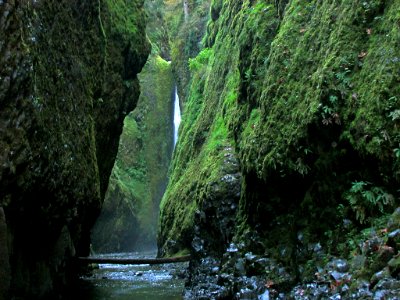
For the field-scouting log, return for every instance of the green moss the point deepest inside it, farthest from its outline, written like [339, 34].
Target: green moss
[219, 134]
[139, 175]
[376, 87]
[163, 65]
[252, 123]
[68, 80]
[200, 60]
[122, 17]
[131, 127]
[308, 99]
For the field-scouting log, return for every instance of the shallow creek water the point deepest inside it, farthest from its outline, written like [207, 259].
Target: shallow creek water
[133, 282]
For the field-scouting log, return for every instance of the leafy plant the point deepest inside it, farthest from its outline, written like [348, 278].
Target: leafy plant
[365, 200]
[329, 112]
[397, 152]
[395, 115]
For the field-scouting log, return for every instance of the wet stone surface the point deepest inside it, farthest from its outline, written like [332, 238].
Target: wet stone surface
[372, 271]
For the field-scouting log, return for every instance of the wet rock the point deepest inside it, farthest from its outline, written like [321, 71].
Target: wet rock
[264, 296]
[394, 221]
[394, 234]
[394, 238]
[317, 248]
[180, 273]
[386, 295]
[262, 262]
[360, 290]
[172, 246]
[198, 244]
[347, 223]
[371, 245]
[225, 279]
[252, 242]
[239, 267]
[309, 291]
[387, 284]
[340, 265]
[383, 274]
[394, 265]
[337, 276]
[248, 287]
[207, 291]
[358, 262]
[232, 248]
[335, 297]
[385, 253]
[214, 270]
[250, 257]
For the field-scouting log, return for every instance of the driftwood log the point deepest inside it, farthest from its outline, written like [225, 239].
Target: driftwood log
[133, 261]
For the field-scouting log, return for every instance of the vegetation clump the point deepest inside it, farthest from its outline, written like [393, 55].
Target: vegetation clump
[306, 93]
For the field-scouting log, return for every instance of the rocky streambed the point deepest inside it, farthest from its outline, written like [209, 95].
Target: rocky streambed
[370, 271]
[123, 282]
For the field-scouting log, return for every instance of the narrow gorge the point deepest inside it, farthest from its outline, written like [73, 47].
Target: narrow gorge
[283, 182]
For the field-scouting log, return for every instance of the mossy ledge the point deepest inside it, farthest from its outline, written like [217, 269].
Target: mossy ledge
[307, 100]
[67, 80]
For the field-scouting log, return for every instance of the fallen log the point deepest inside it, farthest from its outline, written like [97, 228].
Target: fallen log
[133, 261]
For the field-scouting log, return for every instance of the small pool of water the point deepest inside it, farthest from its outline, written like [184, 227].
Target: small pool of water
[141, 282]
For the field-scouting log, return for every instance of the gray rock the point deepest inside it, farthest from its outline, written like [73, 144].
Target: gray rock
[383, 274]
[239, 267]
[264, 296]
[341, 265]
[387, 284]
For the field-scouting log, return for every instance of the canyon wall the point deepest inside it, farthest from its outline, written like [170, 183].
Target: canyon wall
[288, 152]
[67, 80]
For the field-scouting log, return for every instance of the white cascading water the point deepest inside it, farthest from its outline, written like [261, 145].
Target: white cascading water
[177, 116]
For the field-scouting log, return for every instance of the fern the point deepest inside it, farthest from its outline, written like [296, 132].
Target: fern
[367, 200]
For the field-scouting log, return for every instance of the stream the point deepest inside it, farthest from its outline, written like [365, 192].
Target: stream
[133, 282]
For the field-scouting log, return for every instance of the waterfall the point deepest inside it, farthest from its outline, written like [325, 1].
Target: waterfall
[186, 9]
[177, 115]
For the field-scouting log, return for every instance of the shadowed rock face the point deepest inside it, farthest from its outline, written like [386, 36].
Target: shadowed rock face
[5, 269]
[67, 80]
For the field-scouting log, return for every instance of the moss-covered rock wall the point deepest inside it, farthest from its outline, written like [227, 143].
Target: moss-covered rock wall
[67, 80]
[129, 216]
[306, 98]
[186, 22]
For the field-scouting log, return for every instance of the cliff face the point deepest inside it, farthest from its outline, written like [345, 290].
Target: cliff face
[128, 220]
[129, 216]
[289, 142]
[67, 80]
[186, 22]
